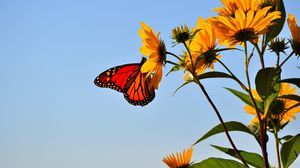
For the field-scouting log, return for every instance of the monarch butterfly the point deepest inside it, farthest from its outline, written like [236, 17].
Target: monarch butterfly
[129, 80]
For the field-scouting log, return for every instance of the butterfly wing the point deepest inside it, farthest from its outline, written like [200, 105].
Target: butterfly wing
[129, 80]
[138, 91]
[116, 77]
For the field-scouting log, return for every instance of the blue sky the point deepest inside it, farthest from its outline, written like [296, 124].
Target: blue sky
[52, 115]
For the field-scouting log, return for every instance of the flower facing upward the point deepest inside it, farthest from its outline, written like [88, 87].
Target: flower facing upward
[181, 34]
[295, 30]
[245, 26]
[155, 49]
[230, 6]
[180, 160]
[278, 45]
[281, 110]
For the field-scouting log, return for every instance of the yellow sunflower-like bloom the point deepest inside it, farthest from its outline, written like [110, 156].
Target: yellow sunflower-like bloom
[294, 28]
[230, 6]
[281, 109]
[155, 49]
[245, 26]
[179, 160]
[204, 41]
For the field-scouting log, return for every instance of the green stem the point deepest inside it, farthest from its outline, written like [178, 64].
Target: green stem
[249, 83]
[262, 128]
[192, 62]
[174, 55]
[287, 58]
[277, 146]
[261, 56]
[263, 139]
[196, 80]
[173, 63]
[235, 78]
[278, 59]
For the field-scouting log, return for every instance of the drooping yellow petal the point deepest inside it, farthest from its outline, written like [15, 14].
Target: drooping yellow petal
[294, 28]
[154, 49]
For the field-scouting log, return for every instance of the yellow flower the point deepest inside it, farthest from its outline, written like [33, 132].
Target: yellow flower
[294, 28]
[245, 26]
[281, 110]
[181, 34]
[230, 6]
[180, 160]
[202, 45]
[155, 49]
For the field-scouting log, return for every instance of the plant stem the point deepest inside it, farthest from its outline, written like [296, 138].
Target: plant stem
[277, 147]
[174, 55]
[249, 83]
[196, 80]
[287, 58]
[263, 134]
[261, 56]
[235, 78]
[278, 59]
[173, 63]
[192, 64]
[262, 123]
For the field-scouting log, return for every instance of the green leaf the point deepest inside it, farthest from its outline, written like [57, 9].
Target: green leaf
[214, 74]
[217, 163]
[185, 83]
[267, 85]
[231, 126]
[295, 81]
[290, 150]
[174, 69]
[252, 159]
[291, 97]
[276, 28]
[286, 138]
[245, 98]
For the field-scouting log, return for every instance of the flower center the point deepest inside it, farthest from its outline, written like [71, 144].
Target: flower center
[162, 51]
[184, 166]
[277, 107]
[210, 57]
[244, 35]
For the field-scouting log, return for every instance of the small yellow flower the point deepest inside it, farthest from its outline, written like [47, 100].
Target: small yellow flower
[180, 160]
[155, 49]
[245, 26]
[281, 109]
[181, 34]
[202, 48]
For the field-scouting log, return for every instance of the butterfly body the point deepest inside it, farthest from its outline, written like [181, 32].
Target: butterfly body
[129, 80]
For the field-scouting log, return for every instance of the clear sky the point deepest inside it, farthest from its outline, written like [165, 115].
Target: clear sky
[52, 114]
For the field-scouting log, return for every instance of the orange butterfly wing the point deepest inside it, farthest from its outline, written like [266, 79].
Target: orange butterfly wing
[138, 91]
[116, 77]
[129, 80]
